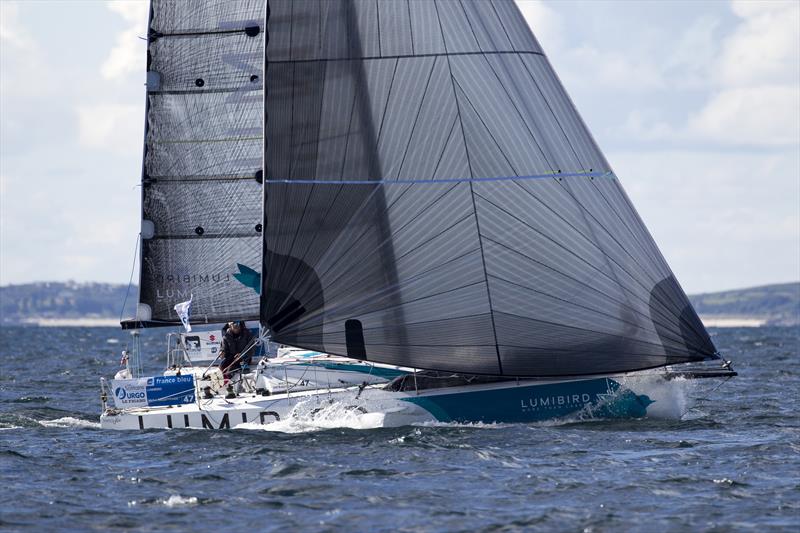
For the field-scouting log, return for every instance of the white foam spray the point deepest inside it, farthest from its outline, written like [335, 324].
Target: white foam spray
[313, 416]
[672, 398]
[70, 422]
[176, 500]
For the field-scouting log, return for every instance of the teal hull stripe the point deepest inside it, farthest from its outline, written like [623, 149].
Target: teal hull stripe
[597, 398]
[380, 372]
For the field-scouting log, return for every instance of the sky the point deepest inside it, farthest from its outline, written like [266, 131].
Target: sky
[695, 104]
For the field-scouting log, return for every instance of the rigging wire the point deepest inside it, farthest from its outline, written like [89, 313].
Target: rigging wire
[130, 280]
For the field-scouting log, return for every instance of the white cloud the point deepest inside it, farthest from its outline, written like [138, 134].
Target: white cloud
[21, 59]
[114, 127]
[765, 48]
[128, 55]
[620, 70]
[758, 78]
[692, 55]
[722, 219]
[750, 82]
[616, 70]
[768, 115]
[12, 33]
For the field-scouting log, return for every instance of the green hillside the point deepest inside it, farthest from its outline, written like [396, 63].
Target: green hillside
[19, 303]
[778, 304]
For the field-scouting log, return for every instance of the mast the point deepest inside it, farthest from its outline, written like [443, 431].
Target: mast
[136, 322]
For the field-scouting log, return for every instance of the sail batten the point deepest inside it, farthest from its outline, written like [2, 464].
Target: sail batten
[433, 199]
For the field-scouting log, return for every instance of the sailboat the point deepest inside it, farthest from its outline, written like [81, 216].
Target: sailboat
[400, 182]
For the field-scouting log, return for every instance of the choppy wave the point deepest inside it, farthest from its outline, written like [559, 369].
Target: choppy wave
[70, 422]
[721, 462]
[176, 500]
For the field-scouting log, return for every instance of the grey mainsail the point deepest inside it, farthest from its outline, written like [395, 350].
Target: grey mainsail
[201, 191]
[433, 199]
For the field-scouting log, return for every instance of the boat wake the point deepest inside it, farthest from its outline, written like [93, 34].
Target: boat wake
[311, 416]
[69, 422]
[37, 418]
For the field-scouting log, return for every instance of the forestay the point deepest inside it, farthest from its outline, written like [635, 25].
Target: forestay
[434, 200]
[201, 190]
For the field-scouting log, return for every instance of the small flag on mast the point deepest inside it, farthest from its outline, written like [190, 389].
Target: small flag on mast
[184, 309]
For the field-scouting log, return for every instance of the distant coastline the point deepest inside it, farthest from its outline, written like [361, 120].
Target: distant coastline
[62, 304]
[767, 305]
[85, 322]
[733, 321]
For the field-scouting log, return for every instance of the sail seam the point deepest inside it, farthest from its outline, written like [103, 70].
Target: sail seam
[159, 35]
[588, 330]
[365, 232]
[640, 243]
[299, 147]
[627, 305]
[416, 118]
[402, 303]
[205, 236]
[386, 105]
[500, 21]
[421, 323]
[554, 175]
[188, 179]
[585, 211]
[348, 135]
[411, 56]
[485, 126]
[531, 118]
[178, 92]
[471, 191]
[609, 259]
[553, 113]
[410, 27]
[444, 148]
[592, 241]
[574, 304]
[190, 141]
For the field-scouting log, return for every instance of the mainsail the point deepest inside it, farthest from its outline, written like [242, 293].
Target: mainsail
[202, 172]
[433, 199]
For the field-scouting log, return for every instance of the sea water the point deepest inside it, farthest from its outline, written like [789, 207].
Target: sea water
[730, 462]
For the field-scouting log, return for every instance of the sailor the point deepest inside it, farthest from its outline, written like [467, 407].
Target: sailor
[236, 354]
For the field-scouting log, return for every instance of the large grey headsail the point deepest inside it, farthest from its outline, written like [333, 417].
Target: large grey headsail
[202, 173]
[433, 199]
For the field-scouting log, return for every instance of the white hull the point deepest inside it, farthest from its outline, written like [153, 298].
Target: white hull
[218, 413]
[506, 401]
